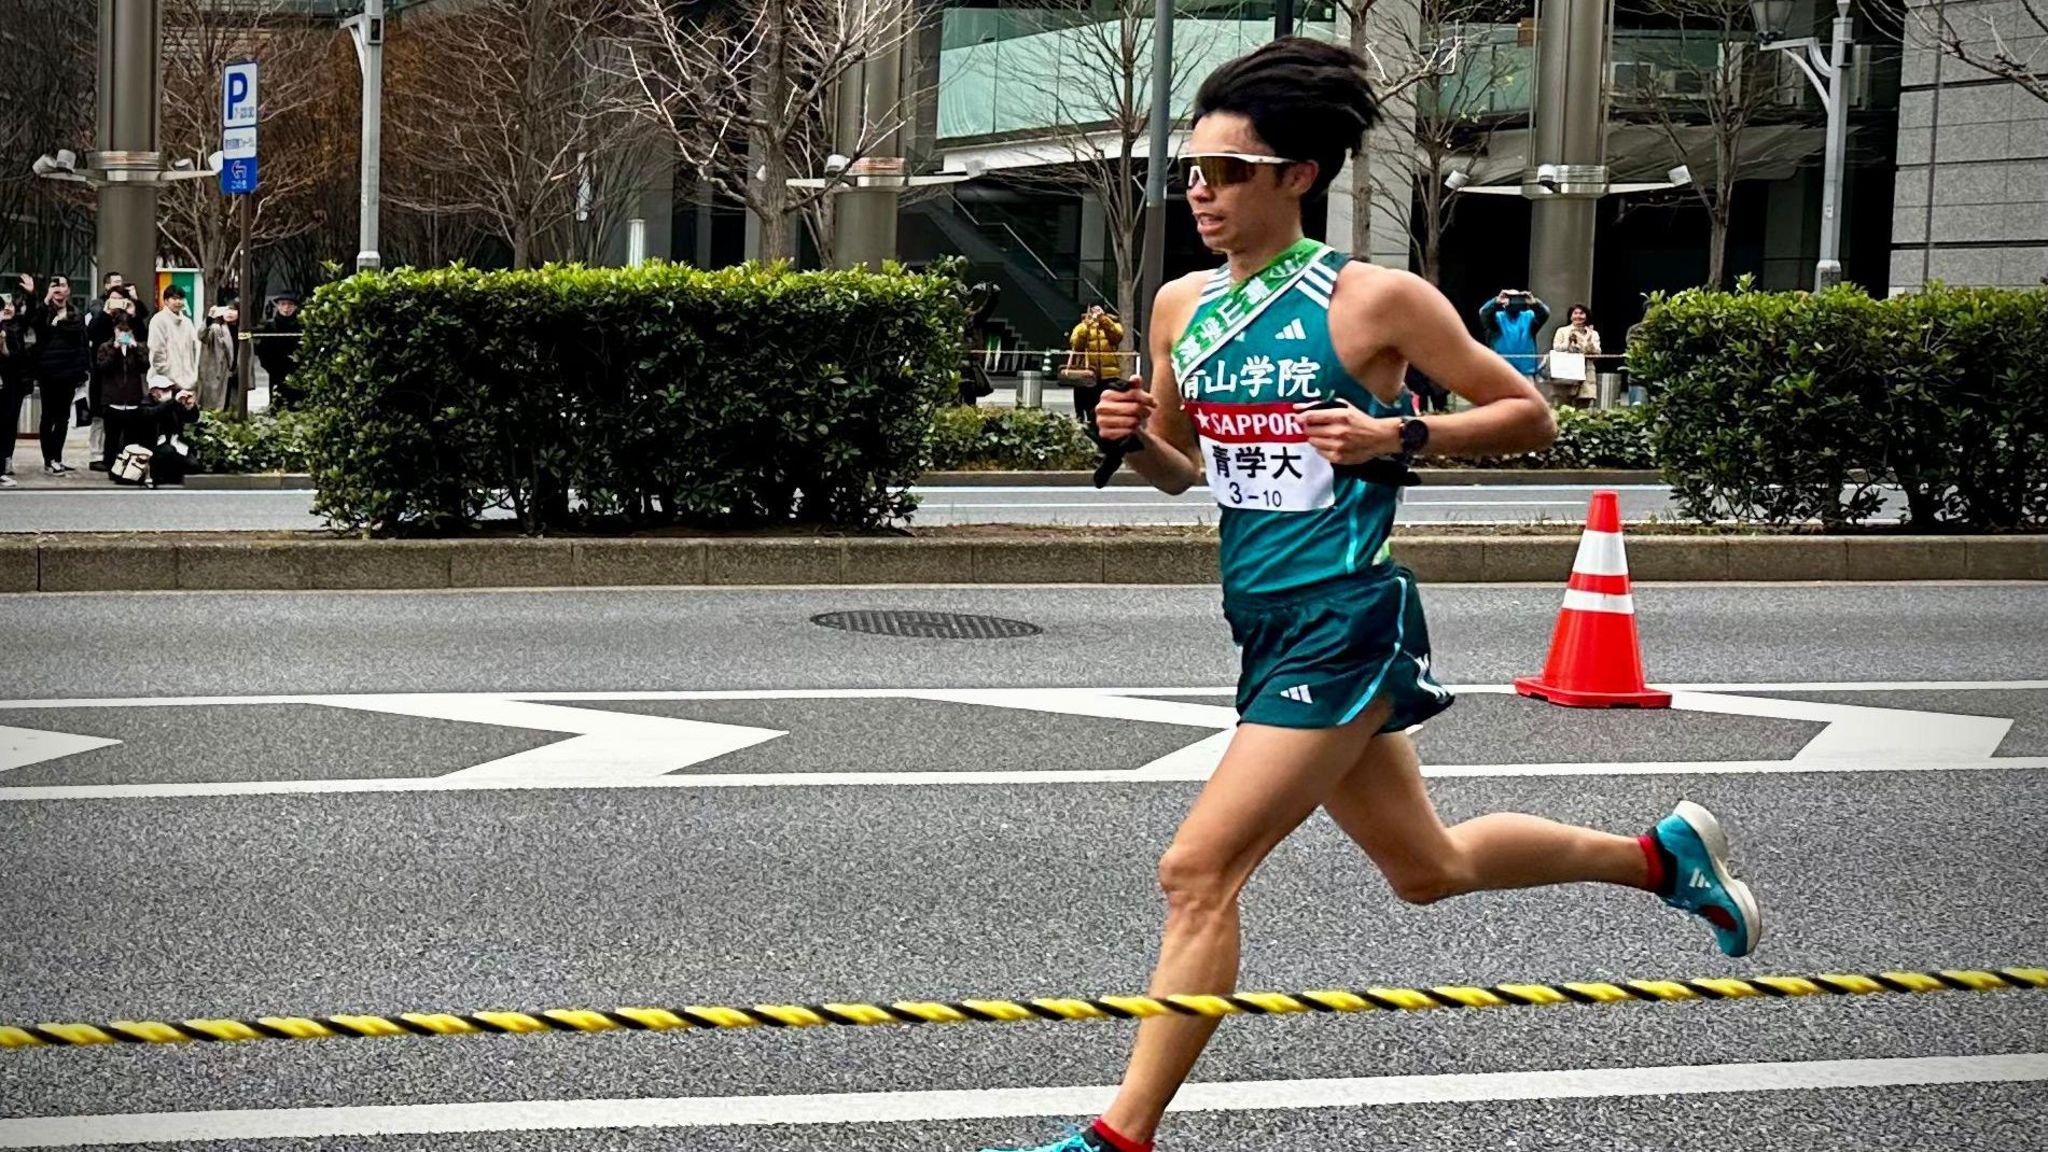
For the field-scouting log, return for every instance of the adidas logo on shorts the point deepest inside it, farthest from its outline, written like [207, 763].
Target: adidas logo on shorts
[1299, 694]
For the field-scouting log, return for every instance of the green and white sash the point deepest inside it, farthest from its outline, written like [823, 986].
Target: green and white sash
[1217, 322]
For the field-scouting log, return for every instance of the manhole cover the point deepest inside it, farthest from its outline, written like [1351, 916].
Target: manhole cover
[927, 625]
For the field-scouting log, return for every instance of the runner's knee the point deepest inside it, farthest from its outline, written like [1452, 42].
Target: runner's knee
[1197, 881]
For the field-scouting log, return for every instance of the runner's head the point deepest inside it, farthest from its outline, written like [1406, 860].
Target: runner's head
[1296, 100]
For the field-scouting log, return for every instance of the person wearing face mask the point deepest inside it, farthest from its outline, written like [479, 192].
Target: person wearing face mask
[62, 364]
[122, 379]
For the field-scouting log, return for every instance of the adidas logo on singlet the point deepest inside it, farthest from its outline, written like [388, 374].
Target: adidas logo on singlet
[1293, 331]
[1298, 694]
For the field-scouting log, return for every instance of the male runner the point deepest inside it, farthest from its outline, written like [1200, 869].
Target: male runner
[1335, 648]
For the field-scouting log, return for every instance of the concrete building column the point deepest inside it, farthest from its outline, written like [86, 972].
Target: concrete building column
[1569, 130]
[129, 128]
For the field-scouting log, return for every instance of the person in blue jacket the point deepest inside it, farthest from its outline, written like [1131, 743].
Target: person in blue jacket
[1510, 322]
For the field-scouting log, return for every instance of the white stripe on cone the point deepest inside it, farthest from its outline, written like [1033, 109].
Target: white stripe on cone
[1578, 601]
[1600, 554]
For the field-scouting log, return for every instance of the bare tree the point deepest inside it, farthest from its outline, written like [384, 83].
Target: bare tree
[1436, 68]
[199, 224]
[2007, 40]
[737, 86]
[46, 85]
[1705, 88]
[504, 110]
[1097, 81]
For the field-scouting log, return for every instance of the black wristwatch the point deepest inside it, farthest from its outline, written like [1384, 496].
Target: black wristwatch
[1414, 434]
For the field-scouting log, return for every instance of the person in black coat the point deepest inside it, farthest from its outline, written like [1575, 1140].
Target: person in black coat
[17, 380]
[121, 378]
[277, 349]
[62, 363]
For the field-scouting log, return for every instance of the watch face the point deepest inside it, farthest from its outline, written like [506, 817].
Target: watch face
[1414, 433]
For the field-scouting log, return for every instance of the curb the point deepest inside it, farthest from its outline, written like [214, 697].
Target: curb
[1431, 477]
[169, 561]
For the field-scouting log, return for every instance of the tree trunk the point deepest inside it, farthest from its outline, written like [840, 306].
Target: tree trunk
[1361, 163]
[1717, 244]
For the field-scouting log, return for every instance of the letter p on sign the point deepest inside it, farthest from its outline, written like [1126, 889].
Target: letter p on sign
[238, 95]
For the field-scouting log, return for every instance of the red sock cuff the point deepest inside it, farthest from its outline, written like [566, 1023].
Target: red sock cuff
[1656, 860]
[1118, 1141]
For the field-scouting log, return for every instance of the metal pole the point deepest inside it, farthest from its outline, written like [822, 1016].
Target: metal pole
[1154, 263]
[1828, 272]
[1569, 129]
[246, 292]
[369, 37]
[864, 216]
[130, 96]
[1283, 19]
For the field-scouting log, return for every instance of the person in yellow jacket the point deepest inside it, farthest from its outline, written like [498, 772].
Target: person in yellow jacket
[1094, 343]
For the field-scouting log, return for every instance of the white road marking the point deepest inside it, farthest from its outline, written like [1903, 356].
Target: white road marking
[609, 746]
[1010, 1103]
[620, 750]
[21, 747]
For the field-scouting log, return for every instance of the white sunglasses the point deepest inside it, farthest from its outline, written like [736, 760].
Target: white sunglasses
[1222, 169]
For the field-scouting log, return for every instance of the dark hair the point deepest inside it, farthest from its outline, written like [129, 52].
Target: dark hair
[174, 293]
[1308, 100]
[109, 276]
[1580, 308]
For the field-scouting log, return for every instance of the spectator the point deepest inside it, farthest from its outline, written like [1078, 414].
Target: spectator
[1510, 322]
[174, 342]
[974, 381]
[1430, 396]
[121, 376]
[115, 293]
[118, 299]
[1581, 337]
[277, 349]
[62, 365]
[217, 358]
[17, 380]
[160, 426]
[1094, 343]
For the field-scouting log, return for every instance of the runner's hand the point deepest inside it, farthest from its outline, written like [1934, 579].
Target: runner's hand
[1348, 436]
[1122, 415]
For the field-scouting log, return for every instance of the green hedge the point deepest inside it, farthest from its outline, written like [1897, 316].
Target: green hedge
[1586, 438]
[1790, 407]
[661, 394]
[1021, 439]
[265, 442]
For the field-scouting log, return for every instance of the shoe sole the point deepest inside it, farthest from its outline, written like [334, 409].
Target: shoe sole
[1708, 829]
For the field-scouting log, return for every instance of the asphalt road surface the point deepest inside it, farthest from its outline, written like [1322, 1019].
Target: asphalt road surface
[105, 509]
[239, 805]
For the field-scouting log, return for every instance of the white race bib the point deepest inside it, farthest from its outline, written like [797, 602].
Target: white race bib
[1258, 457]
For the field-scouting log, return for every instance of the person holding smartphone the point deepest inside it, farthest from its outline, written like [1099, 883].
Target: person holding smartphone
[16, 381]
[57, 324]
[121, 374]
[1510, 322]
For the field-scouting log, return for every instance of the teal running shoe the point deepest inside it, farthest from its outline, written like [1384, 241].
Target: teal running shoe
[1079, 1140]
[1700, 882]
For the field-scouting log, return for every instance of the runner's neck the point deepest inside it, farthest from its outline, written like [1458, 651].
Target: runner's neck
[1249, 262]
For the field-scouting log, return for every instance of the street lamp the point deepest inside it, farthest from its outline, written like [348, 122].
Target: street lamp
[1828, 73]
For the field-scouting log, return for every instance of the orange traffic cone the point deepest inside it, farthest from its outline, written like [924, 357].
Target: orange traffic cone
[1595, 659]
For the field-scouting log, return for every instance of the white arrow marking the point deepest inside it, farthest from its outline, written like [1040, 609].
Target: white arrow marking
[610, 747]
[21, 747]
[1871, 736]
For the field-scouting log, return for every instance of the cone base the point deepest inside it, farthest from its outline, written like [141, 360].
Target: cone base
[1569, 698]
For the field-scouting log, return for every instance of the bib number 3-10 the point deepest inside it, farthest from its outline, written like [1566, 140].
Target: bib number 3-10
[1258, 458]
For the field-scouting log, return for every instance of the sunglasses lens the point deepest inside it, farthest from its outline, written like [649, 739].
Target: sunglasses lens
[1220, 171]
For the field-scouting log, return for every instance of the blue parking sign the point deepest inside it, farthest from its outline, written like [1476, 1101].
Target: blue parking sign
[238, 176]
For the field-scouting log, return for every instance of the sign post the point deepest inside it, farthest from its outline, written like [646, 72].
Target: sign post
[238, 179]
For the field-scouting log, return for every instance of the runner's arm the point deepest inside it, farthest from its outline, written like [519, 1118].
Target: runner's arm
[1508, 414]
[1172, 472]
